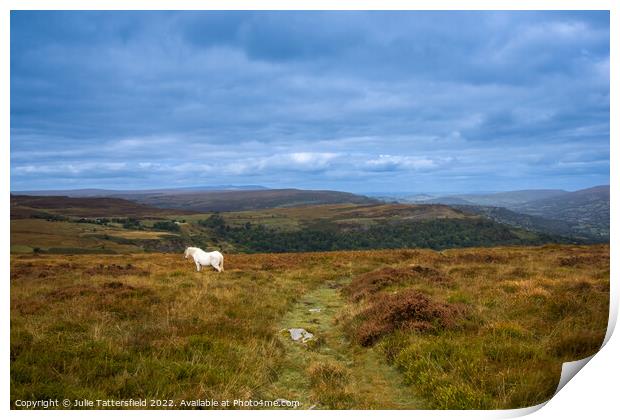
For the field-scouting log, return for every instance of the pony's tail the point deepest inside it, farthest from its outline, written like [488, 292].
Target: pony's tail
[222, 264]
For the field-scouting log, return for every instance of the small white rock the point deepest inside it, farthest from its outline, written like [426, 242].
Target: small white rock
[298, 334]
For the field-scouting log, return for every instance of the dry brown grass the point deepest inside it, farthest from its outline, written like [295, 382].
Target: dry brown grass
[330, 382]
[38, 233]
[149, 326]
[408, 310]
[116, 270]
[369, 283]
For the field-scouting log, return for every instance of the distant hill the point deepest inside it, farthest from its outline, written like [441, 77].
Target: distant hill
[206, 201]
[447, 200]
[507, 199]
[341, 216]
[98, 192]
[587, 210]
[526, 221]
[24, 206]
[216, 198]
[349, 221]
[340, 227]
[580, 214]
[113, 225]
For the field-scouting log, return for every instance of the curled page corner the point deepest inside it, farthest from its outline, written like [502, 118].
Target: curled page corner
[520, 412]
[569, 370]
[613, 316]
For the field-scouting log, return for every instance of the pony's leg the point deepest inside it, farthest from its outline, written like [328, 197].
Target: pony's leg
[197, 266]
[215, 265]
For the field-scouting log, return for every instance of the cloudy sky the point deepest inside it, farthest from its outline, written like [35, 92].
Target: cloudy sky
[355, 101]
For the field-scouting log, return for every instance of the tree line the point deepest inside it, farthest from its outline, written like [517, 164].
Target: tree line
[433, 234]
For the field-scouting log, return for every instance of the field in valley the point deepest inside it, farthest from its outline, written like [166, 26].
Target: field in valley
[401, 328]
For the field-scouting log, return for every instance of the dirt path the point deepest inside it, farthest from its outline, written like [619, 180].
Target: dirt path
[332, 372]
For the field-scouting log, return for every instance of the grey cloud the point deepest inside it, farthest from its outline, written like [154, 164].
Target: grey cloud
[438, 96]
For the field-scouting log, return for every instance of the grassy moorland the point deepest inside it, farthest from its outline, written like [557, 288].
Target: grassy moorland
[24, 206]
[328, 227]
[460, 328]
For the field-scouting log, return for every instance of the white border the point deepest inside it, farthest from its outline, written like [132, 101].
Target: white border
[592, 394]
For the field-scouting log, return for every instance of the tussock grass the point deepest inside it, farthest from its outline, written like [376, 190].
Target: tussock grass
[527, 311]
[369, 283]
[406, 310]
[149, 326]
[330, 384]
[89, 328]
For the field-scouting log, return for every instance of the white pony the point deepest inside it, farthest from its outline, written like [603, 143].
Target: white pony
[214, 259]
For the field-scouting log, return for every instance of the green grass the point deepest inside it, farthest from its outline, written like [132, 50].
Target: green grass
[58, 237]
[46, 235]
[149, 326]
[294, 218]
[523, 318]
[330, 372]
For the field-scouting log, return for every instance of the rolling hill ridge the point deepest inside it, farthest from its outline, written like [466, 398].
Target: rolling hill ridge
[241, 198]
[87, 225]
[26, 206]
[580, 214]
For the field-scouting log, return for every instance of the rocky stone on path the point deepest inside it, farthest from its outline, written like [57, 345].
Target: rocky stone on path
[299, 334]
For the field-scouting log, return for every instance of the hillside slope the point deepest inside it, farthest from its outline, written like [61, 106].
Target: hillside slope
[291, 229]
[343, 227]
[507, 199]
[99, 192]
[580, 214]
[587, 210]
[530, 222]
[206, 201]
[25, 206]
